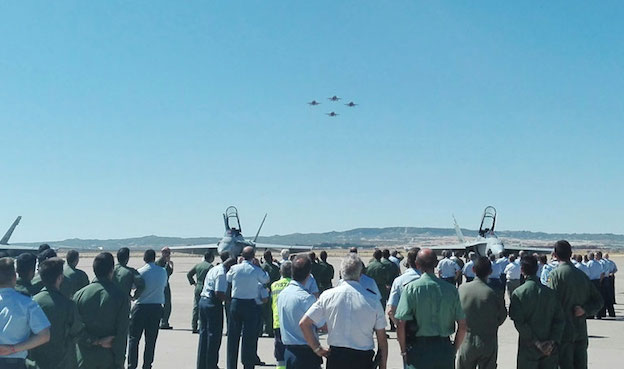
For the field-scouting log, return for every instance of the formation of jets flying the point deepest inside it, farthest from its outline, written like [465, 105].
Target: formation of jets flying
[334, 98]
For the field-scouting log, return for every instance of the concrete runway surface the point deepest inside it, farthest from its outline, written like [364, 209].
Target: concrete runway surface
[177, 348]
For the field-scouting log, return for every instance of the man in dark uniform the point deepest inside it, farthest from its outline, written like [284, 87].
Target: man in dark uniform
[200, 269]
[431, 305]
[271, 268]
[579, 298]
[165, 262]
[485, 312]
[393, 272]
[328, 275]
[37, 283]
[77, 278]
[66, 324]
[25, 267]
[104, 311]
[127, 278]
[538, 318]
[381, 274]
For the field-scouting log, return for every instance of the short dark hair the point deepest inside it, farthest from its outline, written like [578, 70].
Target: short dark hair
[563, 249]
[312, 256]
[411, 256]
[482, 267]
[25, 263]
[377, 254]
[224, 256]
[268, 256]
[46, 254]
[543, 259]
[385, 253]
[43, 247]
[7, 270]
[123, 255]
[323, 255]
[72, 257]
[149, 256]
[103, 265]
[50, 270]
[528, 265]
[301, 267]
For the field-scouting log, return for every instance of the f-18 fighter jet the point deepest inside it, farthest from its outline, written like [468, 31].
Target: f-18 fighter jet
[314, 103]
[334, 98]
[332, 114]
[351, 104]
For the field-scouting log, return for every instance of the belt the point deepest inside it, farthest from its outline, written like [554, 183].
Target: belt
[12, 360]
[245, 300]
[429, 339]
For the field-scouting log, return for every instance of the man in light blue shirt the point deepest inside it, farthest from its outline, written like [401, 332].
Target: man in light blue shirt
[448, 269]
[410, 275]
[244, 278]
[23, 325]
[468, 272]
[147, 311]
[214, 293]
[292, 305]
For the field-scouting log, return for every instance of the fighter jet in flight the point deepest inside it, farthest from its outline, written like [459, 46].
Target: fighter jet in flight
[351, 104]
[334, 98]
[332, 114]
[487, 242]
[15, 250]
[314, 103]
[233, 241]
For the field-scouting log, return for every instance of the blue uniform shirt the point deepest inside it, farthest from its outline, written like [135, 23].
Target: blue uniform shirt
[496, 271]
[595, 269]
[292, 304]
[468, 272]
[20, 316]
[156, 280]
[244, 278]
[399, 282]
[215, 281]
[448, 268]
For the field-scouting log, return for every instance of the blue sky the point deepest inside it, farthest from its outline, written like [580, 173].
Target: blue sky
[125, 119]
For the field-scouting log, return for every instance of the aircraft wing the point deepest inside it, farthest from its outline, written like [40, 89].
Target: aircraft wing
[15, 250]
[530, 249]
[194, 249]
[292, 249]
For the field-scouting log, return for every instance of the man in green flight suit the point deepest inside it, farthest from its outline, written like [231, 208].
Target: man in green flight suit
[104, 309]
[485, 312]
[66, 324]
[381, 273]
[538, 318]
[393, 271]
[37, 283]
[325, 282]
[579, 299]
[77, 278]
[271, 268]
[165, 262]
[25, 268]
[432, 308]
[200, 269]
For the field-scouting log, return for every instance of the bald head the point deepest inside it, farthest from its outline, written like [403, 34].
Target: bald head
[426, 260]
[248, 253]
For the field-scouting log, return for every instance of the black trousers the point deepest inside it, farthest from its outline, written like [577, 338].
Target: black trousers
[143, 318]
[279, 347]
[10, 363]
[302, 357]
[210, 332]
[343, 357]
[243, 322]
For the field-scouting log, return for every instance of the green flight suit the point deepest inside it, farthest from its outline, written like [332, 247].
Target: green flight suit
[77, 279]
[66, 287]
[381, 273]
[267, 308]
[126, 278]
[200, 269]
[537, 315]
[573, 288]
[25, 287]
[431, 307]
[164, 322]
[325, 282]
[485, 312]
[104, 309]
[65, 328]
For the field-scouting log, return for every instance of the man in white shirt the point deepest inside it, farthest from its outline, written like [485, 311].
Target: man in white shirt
[352, 316]
[468, 272]
[512, 273]
[448, 269]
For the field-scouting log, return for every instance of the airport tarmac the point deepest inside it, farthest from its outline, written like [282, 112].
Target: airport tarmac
[177, 348]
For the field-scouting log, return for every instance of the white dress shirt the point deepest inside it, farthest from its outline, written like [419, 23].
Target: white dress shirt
[512, 271]
[448, 268]
[156, 280]
[369, 285]
[351, 314]
[215, 281]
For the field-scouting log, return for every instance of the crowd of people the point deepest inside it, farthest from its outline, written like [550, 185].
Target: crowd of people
[446, 312]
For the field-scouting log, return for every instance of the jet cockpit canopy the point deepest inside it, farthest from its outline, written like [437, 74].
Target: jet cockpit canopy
[232, 221]
[488, 221]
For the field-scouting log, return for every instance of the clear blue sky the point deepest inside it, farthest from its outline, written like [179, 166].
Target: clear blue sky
[125, 118]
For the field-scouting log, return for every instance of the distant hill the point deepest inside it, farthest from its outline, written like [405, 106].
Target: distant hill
[355, 237]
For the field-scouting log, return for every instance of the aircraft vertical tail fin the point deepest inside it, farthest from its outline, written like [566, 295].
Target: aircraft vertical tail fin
[259, 228]
[7, 235]
[458, 231]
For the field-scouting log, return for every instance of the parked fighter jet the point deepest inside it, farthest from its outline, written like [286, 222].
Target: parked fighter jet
[334, 98]
[314, 103]
[351, 104]
[14, 250]
[332, 114]
[233, 240]
[487, 242]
